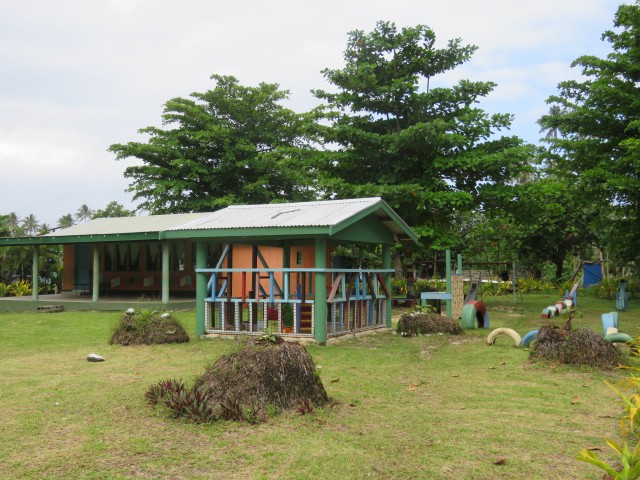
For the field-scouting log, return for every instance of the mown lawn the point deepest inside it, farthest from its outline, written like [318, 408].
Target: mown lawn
[434, 407]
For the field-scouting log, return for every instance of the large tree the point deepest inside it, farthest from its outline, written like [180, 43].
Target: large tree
[600, 129]
[397, 130]
[231, 144]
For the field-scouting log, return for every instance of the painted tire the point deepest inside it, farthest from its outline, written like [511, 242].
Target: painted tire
[529, 337]
[473, 311]
[618, 338]
[608, 321]
[509, 332]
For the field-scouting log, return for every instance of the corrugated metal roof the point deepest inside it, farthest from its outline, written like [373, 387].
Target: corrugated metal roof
[123, 225]
[303, 214]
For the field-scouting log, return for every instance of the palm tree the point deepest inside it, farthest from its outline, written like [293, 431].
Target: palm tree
[30, 224]
[84, 213]
[554, 111]
[14, 222]
[66, 221]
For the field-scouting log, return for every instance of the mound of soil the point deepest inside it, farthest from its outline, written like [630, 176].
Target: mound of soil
[576, 347]
[148, 328]
[265, 371]
[411, 324]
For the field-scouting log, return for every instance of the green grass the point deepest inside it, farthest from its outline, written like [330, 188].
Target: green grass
[433, 407]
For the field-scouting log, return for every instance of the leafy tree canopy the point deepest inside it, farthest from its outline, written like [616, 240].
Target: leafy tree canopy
[599, 126]
[230, 145]
[113, 209]
[397, 131]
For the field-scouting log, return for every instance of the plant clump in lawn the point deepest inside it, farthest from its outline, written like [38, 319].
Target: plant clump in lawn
[580, 346]
[148, 327]
[264, 374]
[411, 324]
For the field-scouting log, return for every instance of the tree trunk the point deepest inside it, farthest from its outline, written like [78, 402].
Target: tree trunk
[397, 264]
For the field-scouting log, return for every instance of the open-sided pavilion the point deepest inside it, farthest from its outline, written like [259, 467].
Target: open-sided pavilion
[251, 267]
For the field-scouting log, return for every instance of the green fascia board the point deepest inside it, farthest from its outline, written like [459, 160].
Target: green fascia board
[371, 211]
[248, 234]
[63, 240]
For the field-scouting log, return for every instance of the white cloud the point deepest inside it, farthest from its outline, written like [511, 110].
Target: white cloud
[77, 76]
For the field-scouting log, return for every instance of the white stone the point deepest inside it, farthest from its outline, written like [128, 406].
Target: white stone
[94, 357]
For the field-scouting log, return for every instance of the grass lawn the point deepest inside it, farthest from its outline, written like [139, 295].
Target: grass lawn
[433, 407]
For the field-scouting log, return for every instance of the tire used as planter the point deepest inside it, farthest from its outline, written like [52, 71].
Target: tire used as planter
[509, 332]
[474, 311]
[529, 337]
[609, 320]
[618, 337]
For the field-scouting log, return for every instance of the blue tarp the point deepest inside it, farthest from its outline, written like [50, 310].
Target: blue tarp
[592, 274]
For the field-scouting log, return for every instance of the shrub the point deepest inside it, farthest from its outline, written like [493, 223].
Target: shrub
[265, 373]
[19, 289]
[576, 347]
[420, 323]
[262, 375]
[148, 328]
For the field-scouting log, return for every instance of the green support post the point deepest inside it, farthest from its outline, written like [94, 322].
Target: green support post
[459, 272]
[35, 273]
[165, 272]
[96, 274]
[320, 304]
[448, 267]
[201, 286]
[386, 264]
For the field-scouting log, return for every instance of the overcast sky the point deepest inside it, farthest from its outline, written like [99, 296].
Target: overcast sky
[77, 76]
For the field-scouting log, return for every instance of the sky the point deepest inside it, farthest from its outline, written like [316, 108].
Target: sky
[77, 76]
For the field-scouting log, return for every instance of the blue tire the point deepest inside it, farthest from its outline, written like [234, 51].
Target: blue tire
[529, 337]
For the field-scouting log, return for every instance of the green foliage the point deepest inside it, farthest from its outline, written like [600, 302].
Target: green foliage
[628, 458]
[19, 288]
[598, 128]
[229, 145]
[429, 151]
[113, 209]
[287, 315]
[551, 219]
[399, 287]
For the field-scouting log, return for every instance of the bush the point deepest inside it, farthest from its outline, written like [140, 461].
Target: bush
[265, 374]
[411, 324]
[148, 328]
[576, 347]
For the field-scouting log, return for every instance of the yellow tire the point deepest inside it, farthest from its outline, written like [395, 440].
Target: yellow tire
[508, 332]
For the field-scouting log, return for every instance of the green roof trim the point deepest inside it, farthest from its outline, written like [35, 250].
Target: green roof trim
[365, 220]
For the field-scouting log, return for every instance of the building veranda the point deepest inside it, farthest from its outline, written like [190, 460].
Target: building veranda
[252, 268]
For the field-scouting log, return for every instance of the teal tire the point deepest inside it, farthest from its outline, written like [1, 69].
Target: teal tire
[529, 337]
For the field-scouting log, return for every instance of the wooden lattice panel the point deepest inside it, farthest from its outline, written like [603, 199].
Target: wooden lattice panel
[457, 296]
